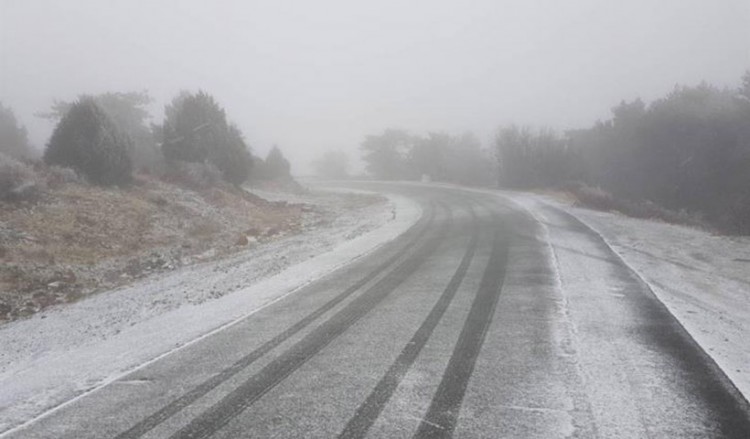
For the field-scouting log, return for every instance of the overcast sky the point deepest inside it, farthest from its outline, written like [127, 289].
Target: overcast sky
[320, 75]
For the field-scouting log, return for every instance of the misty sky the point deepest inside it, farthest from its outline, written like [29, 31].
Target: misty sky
[319, 75]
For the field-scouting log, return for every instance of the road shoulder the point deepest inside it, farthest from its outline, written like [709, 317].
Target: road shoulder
[703, 279]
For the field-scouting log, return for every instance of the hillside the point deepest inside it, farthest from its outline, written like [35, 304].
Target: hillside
[78, 239]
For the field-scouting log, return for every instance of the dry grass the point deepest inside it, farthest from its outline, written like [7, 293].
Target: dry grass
[78, 238]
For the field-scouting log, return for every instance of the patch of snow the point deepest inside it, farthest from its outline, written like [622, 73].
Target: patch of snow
[65, 352]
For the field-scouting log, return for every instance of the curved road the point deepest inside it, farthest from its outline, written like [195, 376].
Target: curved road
[481, 321]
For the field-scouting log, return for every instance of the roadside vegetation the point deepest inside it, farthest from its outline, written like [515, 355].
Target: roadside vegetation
[683, 158]
[114, 197]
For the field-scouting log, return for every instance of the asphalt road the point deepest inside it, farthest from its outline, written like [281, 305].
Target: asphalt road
[472, 324]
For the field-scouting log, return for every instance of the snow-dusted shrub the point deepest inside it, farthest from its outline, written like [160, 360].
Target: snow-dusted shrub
[58, 176]
[87, 140]
[737, 220]
[193, 175]
[594, 197]
[18, 181]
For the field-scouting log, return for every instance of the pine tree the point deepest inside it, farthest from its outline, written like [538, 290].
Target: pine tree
[87, 140]
[196, 130]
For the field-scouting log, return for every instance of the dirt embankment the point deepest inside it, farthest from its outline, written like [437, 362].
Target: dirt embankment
[79, 239]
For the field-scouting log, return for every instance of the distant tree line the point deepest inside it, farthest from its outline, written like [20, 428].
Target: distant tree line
[107, 137]
[529, 158]
[397, 155]
[689, 151]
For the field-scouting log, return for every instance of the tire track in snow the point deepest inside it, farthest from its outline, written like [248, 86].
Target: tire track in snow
[202, 389]
[442, 415]
[370, 409]
[267, 378]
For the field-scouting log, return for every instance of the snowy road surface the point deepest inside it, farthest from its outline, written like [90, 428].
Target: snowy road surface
[484, 319]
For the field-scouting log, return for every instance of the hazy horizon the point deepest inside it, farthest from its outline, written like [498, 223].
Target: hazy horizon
[320, 76]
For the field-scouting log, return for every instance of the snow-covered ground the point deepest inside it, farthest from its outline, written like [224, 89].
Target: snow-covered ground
[702, 278]
[69, 351]
[62, 353]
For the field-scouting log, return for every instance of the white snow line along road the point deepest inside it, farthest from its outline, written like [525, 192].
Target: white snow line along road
[45, 384]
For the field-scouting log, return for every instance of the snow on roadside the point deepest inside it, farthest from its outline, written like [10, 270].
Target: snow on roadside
[703, 279]
[64, 352]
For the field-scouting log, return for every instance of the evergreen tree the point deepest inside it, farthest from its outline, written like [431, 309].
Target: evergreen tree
[276, 165]
[129, 112]
[196, 130]
[13, 137]
[87, 140]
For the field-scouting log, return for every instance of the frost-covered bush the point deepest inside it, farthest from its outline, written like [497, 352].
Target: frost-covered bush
[87, 140]
[58, 176]
[594, 197]
[597, 198]
[18, 181]
[193, 175]
[737, 219]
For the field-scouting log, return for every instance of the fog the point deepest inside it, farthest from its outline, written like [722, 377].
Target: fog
[317, 76]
